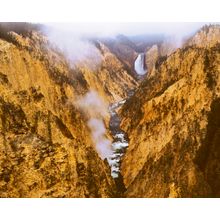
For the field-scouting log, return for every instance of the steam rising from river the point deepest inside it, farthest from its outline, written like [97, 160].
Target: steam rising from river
[96, 110]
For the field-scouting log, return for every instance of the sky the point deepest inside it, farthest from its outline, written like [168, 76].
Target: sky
[128, 28]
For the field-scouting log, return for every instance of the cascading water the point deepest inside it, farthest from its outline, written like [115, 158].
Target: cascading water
[120, 139]
[119, 144]
[139, 65]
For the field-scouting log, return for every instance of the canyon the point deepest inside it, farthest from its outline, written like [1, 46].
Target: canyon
[140, 119]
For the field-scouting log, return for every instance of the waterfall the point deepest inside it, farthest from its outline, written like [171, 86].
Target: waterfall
[139, 64]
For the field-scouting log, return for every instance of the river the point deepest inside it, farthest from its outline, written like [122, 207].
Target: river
[120, 142]
[120, 138]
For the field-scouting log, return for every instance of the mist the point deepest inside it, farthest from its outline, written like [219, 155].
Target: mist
[96, 110]
[74, 46]
[108, 29]
[74, 39]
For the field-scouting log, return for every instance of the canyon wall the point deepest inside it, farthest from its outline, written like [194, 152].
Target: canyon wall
[172, 119]
[174, 136]
[46, 149]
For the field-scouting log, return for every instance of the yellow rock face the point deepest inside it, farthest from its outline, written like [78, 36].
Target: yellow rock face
[172, 121]
[151, 57]
[208, 36]
[45, 146]
[110, 79]
[174, 136]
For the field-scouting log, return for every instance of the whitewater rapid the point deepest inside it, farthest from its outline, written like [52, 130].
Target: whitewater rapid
[120, 140]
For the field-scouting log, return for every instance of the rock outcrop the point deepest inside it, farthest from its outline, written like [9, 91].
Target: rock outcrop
[173, 126]
[207, 36]
[151, 56]
[110, 79]
[45, 145]
[125, 51]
